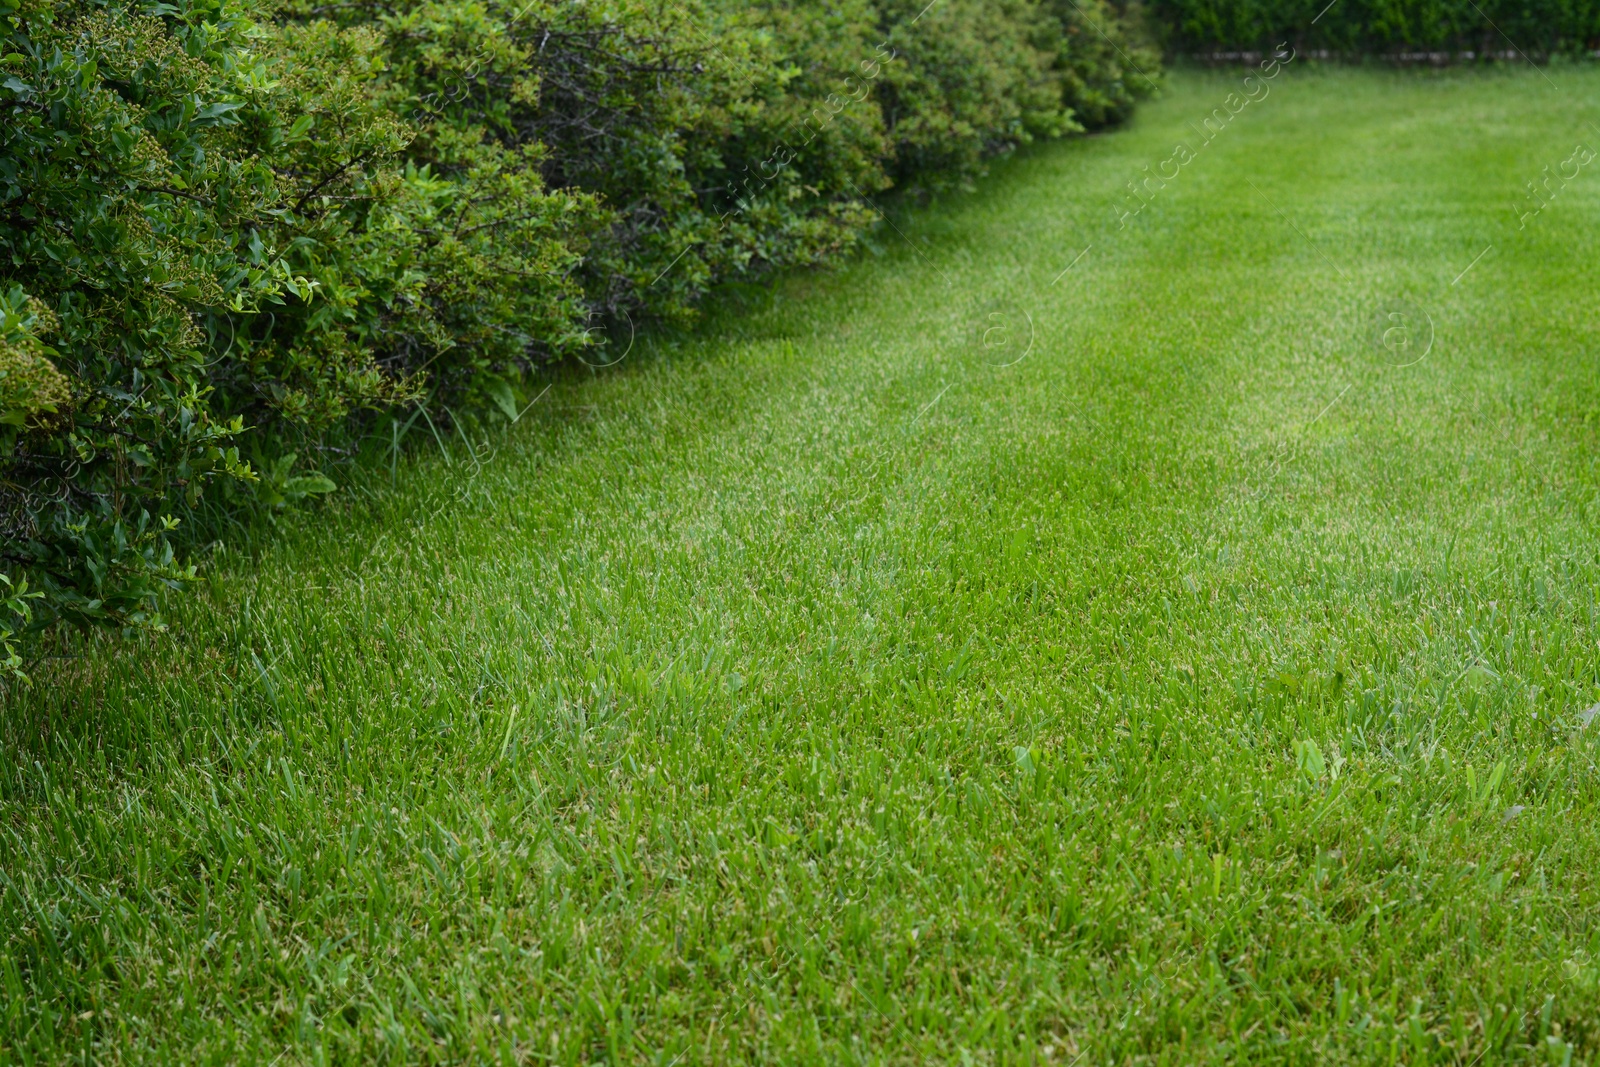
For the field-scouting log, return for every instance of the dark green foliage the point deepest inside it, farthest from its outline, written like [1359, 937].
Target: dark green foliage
[233, 240]
[217, 226]
[1104, 68]
[978, 78]
[1364, 27]
[723, 140]
[124, 200]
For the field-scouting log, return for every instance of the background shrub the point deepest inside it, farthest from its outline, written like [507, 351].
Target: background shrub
[234, 239]
[1364, 27]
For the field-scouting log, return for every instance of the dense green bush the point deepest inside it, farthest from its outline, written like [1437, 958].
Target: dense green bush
[124, 198]
[725, 139]
[1369, 27]
[233, 238]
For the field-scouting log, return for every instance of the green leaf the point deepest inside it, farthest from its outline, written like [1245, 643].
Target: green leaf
[215, 114]
[501, 393]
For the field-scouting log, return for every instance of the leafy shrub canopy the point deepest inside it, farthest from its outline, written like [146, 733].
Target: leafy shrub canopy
[232, 240]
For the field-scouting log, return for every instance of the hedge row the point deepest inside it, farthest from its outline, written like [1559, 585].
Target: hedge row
[1351, 28]
[235, 239]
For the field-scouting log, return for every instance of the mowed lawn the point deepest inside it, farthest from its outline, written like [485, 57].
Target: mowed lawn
[1037, 641]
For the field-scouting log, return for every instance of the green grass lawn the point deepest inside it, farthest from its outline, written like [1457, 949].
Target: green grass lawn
[980, 653]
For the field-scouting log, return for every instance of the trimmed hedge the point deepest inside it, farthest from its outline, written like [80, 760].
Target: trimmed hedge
[1353, 28]
[235, 240]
